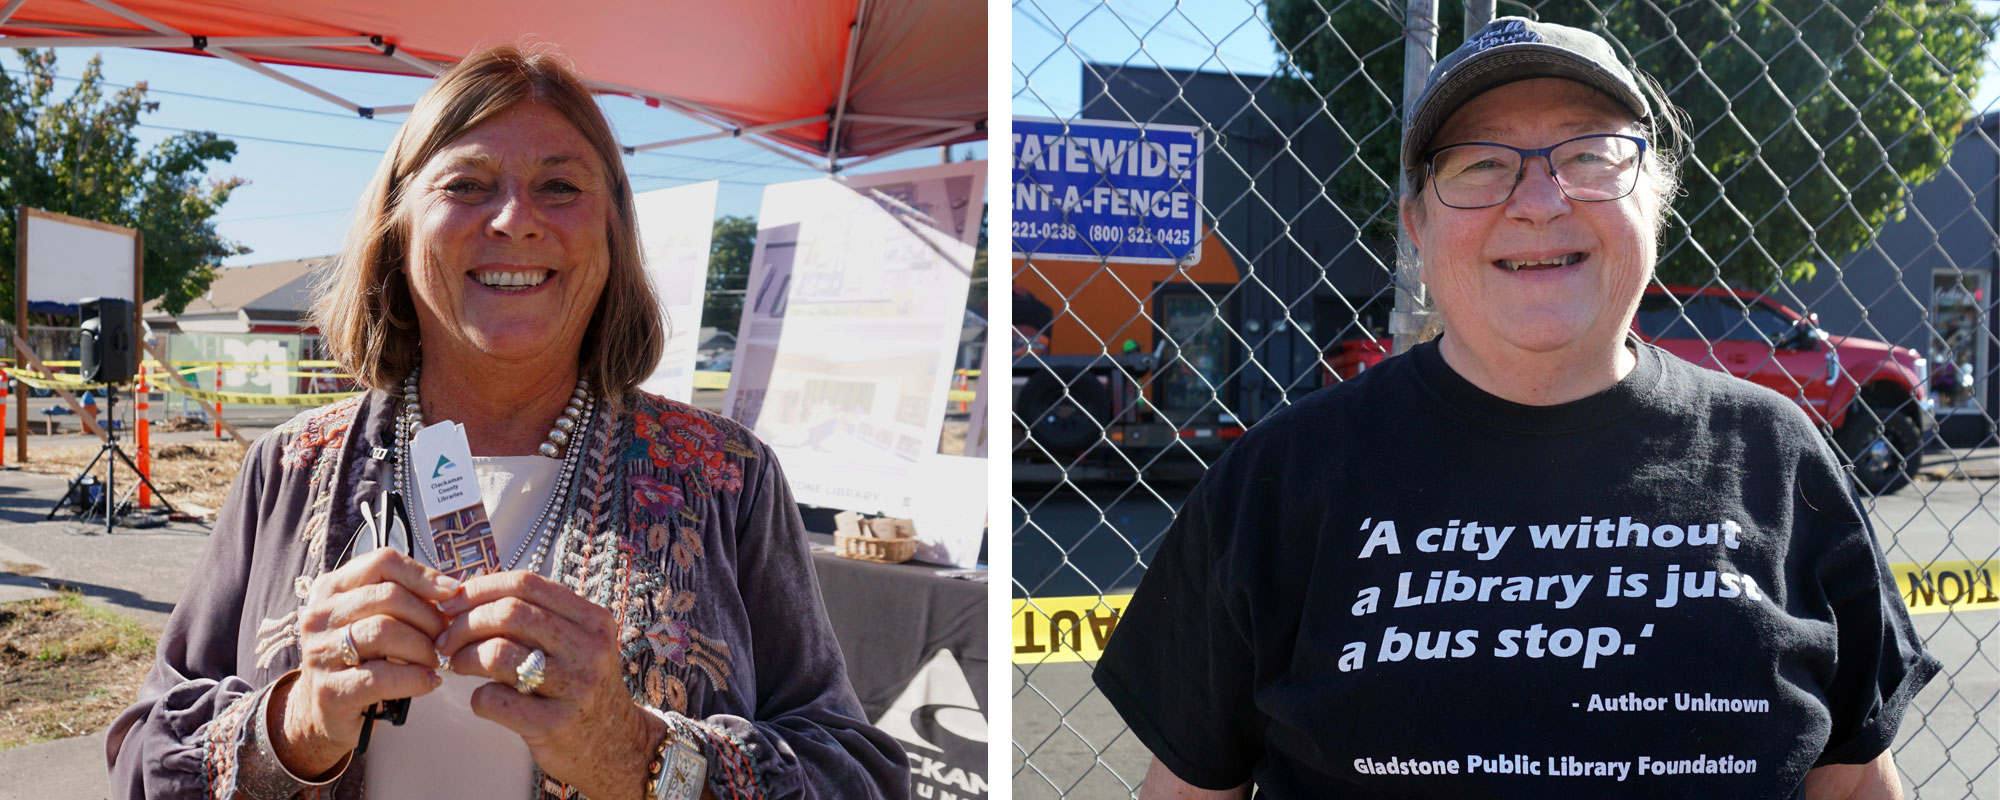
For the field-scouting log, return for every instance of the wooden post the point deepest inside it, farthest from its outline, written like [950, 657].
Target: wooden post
[4, 380]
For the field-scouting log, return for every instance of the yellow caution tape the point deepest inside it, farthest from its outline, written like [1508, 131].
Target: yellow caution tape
[1064, 629]
[58, 380]
[1942, 586]
[1072, 629]
[238, 398]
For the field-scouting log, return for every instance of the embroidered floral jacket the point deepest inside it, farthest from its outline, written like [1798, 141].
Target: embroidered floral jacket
[683, 526]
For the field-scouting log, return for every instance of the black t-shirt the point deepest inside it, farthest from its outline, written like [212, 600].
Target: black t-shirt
[1403, 586]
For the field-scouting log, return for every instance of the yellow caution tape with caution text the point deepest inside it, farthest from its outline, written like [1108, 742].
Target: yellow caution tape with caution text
[1072, 629]
[1064, 629]
[1942, 586]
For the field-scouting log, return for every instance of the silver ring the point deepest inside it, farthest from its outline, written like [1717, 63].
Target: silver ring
[349, 655]
[529, 675]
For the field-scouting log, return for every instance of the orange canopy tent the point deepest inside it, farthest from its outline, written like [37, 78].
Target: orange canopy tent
[833, 79]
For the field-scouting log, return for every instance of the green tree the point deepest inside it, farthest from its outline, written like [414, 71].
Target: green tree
[730, 247]
[78, 155]
[1811, 119]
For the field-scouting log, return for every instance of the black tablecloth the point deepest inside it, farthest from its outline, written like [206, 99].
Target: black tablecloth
[915, 644]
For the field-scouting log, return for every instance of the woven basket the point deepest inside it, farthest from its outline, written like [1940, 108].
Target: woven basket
[869, 548]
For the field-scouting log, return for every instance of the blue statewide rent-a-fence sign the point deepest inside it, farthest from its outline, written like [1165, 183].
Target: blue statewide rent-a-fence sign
[1087, 190]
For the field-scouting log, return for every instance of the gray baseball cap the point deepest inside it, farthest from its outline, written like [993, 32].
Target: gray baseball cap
[1512, 49]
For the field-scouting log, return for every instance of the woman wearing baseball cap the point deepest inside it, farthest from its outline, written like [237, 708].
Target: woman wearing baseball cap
[1534, 556]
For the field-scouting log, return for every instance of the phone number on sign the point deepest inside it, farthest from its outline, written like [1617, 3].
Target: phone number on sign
[1044, 230]
[1113, 233]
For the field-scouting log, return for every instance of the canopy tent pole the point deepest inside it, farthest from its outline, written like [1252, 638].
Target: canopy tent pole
[846, 80]
[234, 58]
[133, 17]
[733, 132]
[920, 122]
[920, 143]
[7, 11]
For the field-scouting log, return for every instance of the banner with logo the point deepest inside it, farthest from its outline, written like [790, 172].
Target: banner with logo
[674, 230]
[915, 645]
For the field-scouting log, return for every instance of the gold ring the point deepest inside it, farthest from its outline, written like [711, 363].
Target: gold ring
[349, 655]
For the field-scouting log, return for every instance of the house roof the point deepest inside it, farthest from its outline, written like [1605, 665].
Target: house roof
[272, 290]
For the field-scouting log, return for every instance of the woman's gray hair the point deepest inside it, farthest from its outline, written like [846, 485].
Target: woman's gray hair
[362, 303]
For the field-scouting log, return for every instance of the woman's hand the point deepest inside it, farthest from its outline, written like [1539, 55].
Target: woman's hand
[580, 724]
[387, 603]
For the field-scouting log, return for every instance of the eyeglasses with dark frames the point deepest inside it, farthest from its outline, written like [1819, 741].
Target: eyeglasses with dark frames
[1591, 169]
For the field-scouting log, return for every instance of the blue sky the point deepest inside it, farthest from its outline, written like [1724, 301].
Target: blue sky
[307, 160]
[1053, 37]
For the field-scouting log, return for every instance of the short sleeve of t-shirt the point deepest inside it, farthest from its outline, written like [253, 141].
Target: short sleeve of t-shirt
[1881, 662]
[1179, 668]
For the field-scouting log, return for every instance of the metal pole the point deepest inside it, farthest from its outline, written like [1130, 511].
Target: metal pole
[1477, 14]
[1419, 54]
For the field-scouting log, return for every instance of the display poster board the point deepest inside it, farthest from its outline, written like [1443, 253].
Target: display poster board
[854, 402]
[770, 284]
[950, 198]
[1094, 190]
[674, 230]
[65, 259]
[60, 260]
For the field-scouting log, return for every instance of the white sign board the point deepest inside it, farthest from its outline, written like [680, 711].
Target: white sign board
[855, 400]
[71, 258]
[950, 198]
[674, 230]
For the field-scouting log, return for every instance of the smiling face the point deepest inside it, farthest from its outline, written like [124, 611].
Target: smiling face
[1539, 273]
[509, 245]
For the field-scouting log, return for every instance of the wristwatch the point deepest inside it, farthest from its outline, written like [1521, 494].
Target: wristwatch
[677, 770]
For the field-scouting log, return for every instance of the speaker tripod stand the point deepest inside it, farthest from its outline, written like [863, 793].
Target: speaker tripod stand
[110, 446]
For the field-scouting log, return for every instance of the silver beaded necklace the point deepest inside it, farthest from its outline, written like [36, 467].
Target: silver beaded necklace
[574, 423]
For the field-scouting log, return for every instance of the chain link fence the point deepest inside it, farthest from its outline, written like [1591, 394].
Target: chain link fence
[1835, 240]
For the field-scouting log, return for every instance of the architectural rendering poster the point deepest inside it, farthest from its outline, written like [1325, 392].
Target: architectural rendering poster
[855, 399]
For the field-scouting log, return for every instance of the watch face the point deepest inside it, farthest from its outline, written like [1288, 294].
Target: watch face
[682, 778]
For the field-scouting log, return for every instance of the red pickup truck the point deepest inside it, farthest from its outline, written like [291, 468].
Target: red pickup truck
[1870, 394]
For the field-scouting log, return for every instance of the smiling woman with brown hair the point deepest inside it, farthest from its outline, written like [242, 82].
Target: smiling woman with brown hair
[1533, 557]
[639, 620]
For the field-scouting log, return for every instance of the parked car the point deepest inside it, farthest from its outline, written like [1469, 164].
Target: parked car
[1872, 396]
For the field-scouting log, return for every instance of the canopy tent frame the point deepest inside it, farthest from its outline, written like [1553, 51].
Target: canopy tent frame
[162, 36]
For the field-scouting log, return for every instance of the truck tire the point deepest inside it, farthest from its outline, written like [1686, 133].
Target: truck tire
[1883, 445]
[1065, 411]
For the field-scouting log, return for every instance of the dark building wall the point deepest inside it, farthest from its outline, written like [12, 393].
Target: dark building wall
[1884, 292]
[1265, 167]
